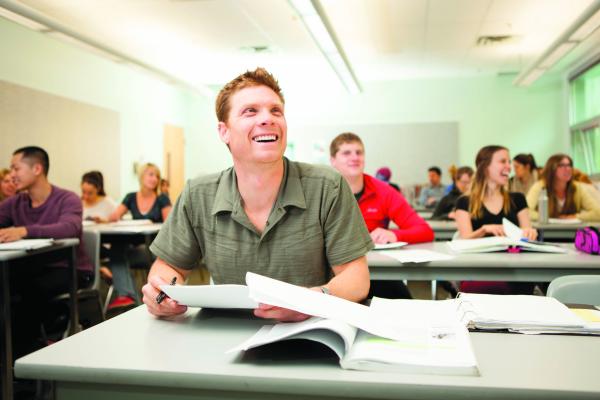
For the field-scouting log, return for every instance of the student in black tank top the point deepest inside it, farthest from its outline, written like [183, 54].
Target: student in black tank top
[480, 213]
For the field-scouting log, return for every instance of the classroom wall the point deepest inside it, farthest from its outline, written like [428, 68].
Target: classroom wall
[144, 102]
[487, 109]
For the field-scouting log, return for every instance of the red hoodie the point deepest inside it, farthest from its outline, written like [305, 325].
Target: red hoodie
[381, 203]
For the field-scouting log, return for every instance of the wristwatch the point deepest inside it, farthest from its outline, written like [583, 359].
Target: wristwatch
[325, 290]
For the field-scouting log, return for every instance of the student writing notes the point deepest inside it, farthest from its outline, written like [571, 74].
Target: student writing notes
[97, 205]
[567, 199]
[291, 221]
[481, 212]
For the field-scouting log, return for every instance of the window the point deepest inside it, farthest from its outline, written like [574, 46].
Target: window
[584, 120]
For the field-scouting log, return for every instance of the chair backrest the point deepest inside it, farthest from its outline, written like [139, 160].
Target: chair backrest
[91, 244]
[576, 289]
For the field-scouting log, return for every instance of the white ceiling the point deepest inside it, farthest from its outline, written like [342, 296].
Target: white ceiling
[207, 42]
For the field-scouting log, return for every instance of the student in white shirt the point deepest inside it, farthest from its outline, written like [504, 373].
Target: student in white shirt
[97, 205]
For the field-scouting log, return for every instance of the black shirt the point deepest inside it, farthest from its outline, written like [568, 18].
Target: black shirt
[155, 213]
[517, 203]
[446, 205]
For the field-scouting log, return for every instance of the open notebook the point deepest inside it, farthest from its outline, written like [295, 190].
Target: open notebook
[516, 313]
[514, 238]
[361, 338]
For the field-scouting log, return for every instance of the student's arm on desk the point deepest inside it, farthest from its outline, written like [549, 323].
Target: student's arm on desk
[162, 273]
[118, 213]
[351, 282]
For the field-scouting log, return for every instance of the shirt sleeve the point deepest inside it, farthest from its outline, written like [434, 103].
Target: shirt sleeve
[590, 209]
[176, 242]
[519, 201]
[423, 196]
[127, 200]
[163, 201]
[346, 235]
[462, 203]
[411, 227]
[68, 224]
[532, 199]
[5, 212]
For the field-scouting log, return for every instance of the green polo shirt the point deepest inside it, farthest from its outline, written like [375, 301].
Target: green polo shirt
[315, 223]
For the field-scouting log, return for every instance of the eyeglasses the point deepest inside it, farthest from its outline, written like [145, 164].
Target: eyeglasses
[565, 165]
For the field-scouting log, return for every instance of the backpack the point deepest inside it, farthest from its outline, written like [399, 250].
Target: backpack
[588, 240]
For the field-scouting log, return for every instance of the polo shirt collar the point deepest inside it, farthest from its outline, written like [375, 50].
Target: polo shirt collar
[290, 193]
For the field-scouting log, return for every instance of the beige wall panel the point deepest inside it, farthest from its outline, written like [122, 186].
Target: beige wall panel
[78, 137]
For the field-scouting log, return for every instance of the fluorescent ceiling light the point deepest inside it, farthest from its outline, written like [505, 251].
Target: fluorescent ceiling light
[579, 30]
[85, 46]
[587, 28]
[315, 20]
[557, 54]
[21, 20]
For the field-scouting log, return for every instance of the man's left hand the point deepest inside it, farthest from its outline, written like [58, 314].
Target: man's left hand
[12, 234]
[382, 236]
[278, 313]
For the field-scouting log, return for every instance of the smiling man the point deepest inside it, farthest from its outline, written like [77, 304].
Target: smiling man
[379, 204]
[291, 221]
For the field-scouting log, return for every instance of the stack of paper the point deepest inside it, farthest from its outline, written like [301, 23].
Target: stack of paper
[26, 244]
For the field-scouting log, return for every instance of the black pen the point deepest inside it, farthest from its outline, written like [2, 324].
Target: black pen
[161, 296]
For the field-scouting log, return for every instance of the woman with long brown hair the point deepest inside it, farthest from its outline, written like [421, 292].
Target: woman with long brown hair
[526, 173]
[480, 213]
[566, 198]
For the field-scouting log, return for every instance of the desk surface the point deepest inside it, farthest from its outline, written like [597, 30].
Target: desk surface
[138, 353]
[523, 267]
[57, 245]
[112, 229]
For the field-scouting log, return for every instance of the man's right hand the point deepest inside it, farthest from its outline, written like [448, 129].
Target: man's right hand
[168, 307]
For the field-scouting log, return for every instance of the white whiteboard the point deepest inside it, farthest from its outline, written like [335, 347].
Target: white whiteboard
[407, 149]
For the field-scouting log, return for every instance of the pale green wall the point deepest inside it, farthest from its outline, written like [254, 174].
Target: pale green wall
[144, 102]
[489, 110]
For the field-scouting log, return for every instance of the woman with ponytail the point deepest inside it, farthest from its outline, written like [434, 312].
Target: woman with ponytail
[526, 173]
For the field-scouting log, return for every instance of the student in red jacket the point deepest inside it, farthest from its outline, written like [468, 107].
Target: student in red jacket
[379, 204]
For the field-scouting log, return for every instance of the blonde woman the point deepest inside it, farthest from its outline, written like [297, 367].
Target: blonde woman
[146, 203]
[481, 212]
[7, 187]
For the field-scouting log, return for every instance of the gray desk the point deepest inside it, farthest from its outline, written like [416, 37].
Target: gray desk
[444, 230]
[64, 249]
[519, 267]
[138, 356]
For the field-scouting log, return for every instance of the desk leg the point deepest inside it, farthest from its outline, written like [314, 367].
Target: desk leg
[433, 290]
[6, 367]
[74, 304]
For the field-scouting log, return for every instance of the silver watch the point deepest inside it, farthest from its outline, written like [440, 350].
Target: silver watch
[325, 290]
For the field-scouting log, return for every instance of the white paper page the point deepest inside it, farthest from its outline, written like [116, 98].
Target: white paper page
[423, 312]
[480, 245]
[271, 291]
[26, 244]
[518, 310]
[416, 255]
[511, 230]
[386, 246]
[133, 229]
[445, 350]
[87, 223]
[562, 221]
[338, 335]
[132, 222]
[211, 296]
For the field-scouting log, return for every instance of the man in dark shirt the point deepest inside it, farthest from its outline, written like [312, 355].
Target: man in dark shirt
[39, 210]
